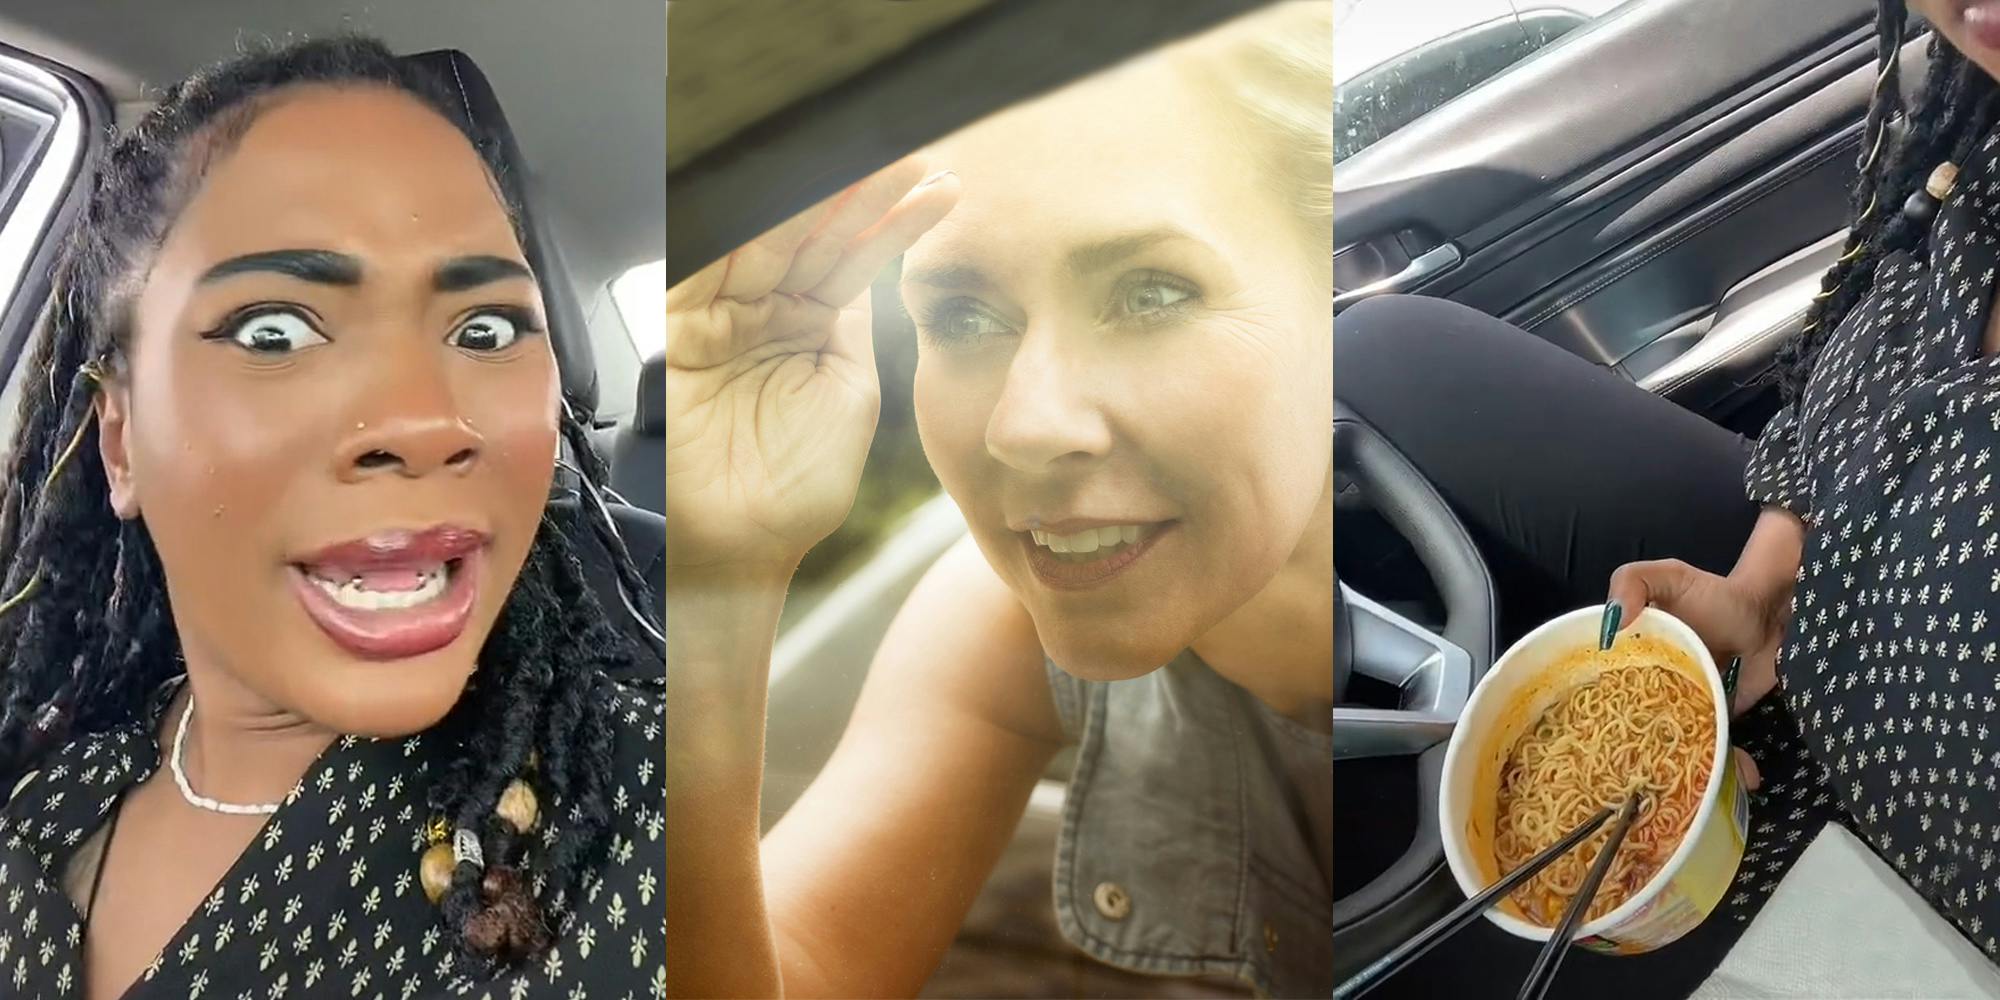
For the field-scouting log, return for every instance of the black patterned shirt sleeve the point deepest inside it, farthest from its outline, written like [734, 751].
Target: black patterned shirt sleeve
[1778, 471]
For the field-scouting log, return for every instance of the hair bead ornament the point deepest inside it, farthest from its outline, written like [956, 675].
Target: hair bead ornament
[1923, 203]
[435, 867]
[446, 847]
[518, 808]
[465, 849]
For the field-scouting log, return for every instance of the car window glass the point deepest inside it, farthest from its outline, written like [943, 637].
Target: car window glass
[41, 148]
[641, 294]
[1392, 66]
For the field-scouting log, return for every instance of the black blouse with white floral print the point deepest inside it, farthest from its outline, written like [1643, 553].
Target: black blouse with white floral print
[1890, 672]
[325, 902]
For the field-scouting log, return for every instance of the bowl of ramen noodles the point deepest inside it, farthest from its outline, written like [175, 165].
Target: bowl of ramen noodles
[1558, 730]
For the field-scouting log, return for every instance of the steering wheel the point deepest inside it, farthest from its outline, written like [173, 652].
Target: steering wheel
[1434, 673]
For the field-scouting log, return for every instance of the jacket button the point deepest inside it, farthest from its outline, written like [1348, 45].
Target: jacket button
[1112, 900]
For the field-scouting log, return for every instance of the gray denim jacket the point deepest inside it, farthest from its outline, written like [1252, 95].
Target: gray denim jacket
[1183, 848]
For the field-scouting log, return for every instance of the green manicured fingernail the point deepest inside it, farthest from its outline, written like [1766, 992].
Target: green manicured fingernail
[1613, 614]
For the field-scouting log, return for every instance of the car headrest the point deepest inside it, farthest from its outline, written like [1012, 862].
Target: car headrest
[479, 109]
[649, 415]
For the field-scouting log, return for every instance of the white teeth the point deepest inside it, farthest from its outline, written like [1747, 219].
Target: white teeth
[1094, 542]
[351, 594]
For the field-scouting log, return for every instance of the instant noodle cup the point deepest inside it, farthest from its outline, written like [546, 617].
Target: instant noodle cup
[1526, 682]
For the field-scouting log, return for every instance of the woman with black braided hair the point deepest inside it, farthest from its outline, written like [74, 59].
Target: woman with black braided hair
[304, 693]
[1857, 586]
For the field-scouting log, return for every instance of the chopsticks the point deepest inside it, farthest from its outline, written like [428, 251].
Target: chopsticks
[1544, 971]
[1468, 911]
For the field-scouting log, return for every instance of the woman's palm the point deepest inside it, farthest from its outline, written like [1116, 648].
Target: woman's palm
[771, 383]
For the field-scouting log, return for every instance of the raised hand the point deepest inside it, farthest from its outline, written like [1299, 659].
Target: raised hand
[772, 395]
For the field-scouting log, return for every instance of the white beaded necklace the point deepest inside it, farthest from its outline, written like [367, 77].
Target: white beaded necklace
[178, 761]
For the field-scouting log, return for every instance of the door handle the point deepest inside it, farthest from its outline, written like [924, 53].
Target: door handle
[1426, 266]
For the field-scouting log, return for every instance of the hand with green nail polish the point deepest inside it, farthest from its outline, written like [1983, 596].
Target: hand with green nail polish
[1732, 618]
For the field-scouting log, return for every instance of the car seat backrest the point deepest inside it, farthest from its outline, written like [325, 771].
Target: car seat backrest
[639, 454]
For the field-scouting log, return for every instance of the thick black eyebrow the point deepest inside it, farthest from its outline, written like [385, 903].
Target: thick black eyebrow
[323, 267]
[463, 273]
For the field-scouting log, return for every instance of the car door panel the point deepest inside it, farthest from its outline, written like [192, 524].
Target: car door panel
[1533, 140]
[1611, 200]
[1613, 307]
[1714, 364]
[1772, 188]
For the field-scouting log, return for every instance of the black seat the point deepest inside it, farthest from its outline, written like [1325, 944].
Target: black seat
[643, 532]
[639, 453]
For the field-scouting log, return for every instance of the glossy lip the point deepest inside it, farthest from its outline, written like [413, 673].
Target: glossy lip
[395, 549]
[1058, 575]
[1981, 21]
[394, 634]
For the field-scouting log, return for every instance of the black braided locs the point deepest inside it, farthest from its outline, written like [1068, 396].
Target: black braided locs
[1955, 106]
[553, 705]
[86, 633]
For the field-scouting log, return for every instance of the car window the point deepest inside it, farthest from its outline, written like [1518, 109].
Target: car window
[40, 141]
[624, 333]
[641, 294]
[41, 153]
[1392, 66]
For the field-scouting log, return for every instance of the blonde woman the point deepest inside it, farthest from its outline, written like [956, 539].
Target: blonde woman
[1125, 383]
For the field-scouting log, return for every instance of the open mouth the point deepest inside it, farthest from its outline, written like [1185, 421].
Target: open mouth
[395, 594]
[387, 590]
[1090, 555]
[1091, 544]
